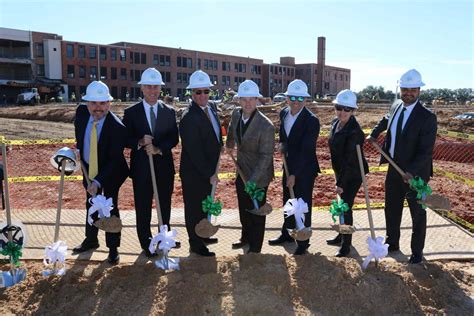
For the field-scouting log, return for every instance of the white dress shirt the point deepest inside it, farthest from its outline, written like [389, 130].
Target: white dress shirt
[393, 126]
[290, 121]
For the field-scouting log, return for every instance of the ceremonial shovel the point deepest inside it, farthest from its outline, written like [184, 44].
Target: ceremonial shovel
[433, 201]
[304, 233]
[204, 228]
[264, 209]
[14, 276]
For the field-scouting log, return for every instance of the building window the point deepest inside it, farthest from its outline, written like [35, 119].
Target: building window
[82, 90]
[39, 48]
[168, 61]
[103, 73]
[113, 54]
[189, 63]
[82, 51]
[184, 62]
[114, 92]
[113, 73]
[123, 74]
[136, 58]
[131, 57]
[40, 70]
[82, 71]
[226, 66]
[213, 79]
[93, 72]
[326, 85]
[156, 59]
[69, 50]
[103, 53]
[70, 71]
[167, 76]
[143, 58]
[92, 52]
[347, 78]
[123, 56]
[70, 91]
[137, 75]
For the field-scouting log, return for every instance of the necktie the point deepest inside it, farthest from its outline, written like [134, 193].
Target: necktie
[93, 160]
[206, 110]
[398, 135]
[152, 119]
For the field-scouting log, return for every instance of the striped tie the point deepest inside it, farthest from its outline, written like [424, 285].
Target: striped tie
[93, 160]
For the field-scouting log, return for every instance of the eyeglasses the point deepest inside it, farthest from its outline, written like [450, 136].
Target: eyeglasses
[199, 92]
[299, 99]
[343, 108]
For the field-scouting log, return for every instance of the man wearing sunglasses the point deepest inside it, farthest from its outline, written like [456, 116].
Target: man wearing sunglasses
[411, 134]
[299, 131]
[201, 142]
[152, 129]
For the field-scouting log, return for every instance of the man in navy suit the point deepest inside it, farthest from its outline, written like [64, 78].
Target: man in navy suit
[411, 134]
[201, 142]
[152, 129]
[107, 168]
[299, 131]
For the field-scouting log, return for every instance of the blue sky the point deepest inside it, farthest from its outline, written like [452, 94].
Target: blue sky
[377, 40]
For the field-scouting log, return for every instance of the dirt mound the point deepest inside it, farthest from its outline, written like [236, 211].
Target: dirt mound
[246, 285]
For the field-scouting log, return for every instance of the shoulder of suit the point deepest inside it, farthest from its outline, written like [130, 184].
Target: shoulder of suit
[264, 118]
[116, 118]
[134, 106]
[166, 106]
[425, 109]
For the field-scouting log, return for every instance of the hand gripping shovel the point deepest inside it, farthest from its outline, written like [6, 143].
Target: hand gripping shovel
[13, 246]
[297, 208]
[261, 211]
[433, 201]
[204, 228]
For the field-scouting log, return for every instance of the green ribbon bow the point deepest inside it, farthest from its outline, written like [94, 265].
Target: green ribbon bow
[210, 207]
[338, 208]
[421, 187]
[254, 192]
[14, 251]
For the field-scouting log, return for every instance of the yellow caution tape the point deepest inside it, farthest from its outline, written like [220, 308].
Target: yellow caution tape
[456, 134]
[43, 178]
[373, 205]
[22, 142]
[454, 176]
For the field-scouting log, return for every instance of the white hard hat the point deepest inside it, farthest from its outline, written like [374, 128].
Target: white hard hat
[199, 79]
[248, 89]
[346, 98]
[411, 79]
[297, 88]
[97, 91]
[151, 76]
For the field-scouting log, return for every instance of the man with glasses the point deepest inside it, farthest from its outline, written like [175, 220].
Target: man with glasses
[152, 129]
[299, 131]
[411, 134]
[201, 142]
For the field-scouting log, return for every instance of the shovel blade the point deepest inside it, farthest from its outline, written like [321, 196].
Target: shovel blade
[437, 202]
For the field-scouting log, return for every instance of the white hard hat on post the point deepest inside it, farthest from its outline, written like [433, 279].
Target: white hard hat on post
[199, 79]
[97, 91]
[346, 98]
[411, 79]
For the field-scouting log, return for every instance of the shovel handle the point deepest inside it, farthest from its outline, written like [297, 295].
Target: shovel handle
[60, 200]
[285, 166]
[155, 191]
[389, 159]
[366, 191]
[7, 204]
[214, 185]
[239, 171]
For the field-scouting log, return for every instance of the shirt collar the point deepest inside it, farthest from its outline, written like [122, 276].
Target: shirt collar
[296, 115]
[148, 106]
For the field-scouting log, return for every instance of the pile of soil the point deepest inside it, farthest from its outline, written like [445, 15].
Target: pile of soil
[246, 285]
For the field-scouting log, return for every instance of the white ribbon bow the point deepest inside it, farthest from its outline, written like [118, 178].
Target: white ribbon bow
[164, 240]
[101, 204]
[55, 253]
[377, 250]
[298, 208]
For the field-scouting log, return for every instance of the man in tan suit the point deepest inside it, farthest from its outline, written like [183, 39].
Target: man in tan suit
[254, 135]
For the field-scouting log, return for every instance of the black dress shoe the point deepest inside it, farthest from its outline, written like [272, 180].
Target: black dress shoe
[343, 252]
[178, 245]
[148, 254]
[393, 248]
[203, 252]
[85, 246]
[414, 259]
[279, 240]
[210, 240]
[113, 257]
[301, 250]
[334, 241]
[239, 244]
[252, 251]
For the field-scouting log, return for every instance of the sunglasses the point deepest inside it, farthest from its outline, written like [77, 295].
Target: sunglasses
[343, 108]
[299, 99]
[199, 92]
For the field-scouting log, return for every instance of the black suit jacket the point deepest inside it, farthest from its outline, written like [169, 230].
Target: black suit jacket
[200, 146]
[165, 137]
[113, 168]
[300, 144]
[415, 153]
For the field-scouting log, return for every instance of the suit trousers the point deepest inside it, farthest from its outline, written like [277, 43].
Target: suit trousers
[143, 196]
[396, 190]
[303, 189]
[253, 226]
[112, 240]
[195, 190]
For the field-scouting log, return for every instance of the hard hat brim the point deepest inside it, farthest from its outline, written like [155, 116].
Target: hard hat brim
[145, 82]
[414, 85]
[197, 86]
[306, 95]
[97, 99]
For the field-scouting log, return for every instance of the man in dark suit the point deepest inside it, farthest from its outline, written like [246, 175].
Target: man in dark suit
[100, 138]
[411, 134]
[152, 129]
[201, 142]
[299, 131]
